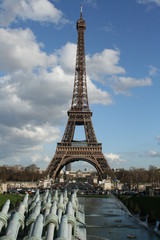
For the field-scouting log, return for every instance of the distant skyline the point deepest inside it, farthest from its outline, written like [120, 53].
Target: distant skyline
[38, 40]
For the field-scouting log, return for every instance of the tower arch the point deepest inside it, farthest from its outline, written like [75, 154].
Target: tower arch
[70, 159]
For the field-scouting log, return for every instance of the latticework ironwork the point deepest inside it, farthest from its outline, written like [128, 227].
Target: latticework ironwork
[89, 150]
[80, 97]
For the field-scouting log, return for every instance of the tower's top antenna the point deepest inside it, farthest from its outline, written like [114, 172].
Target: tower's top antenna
[81, 12]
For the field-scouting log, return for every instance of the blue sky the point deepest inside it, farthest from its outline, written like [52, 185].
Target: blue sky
[37, 59]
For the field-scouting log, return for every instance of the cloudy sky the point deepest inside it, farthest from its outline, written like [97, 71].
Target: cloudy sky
[37, 60]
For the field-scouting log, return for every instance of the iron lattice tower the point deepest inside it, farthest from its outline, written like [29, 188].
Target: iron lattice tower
[90, 150]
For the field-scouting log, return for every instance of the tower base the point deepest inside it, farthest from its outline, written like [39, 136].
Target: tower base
[65, 155]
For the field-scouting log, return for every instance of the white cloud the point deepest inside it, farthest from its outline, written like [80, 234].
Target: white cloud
[98, 96]
[23, 144]
[39, 158]
[93, 3]
[157, 2]
[158, 138]
[104, 67]
[154, 154]
[114, 158]
[152, 70]
[47, 159]
[104, 63]
[36, 158]
[36, 10]
[44, 133]
[67, 57]
[108, 28]
[124, 84]
[20, 50]
[31, 135]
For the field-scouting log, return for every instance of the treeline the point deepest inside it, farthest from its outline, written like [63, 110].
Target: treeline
[139, 175]
[134, 176]
[29, 173]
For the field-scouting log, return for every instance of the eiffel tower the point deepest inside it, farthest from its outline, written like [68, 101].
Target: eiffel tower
[90, 150]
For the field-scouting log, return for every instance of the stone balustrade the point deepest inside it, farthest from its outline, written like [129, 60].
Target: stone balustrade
[44, 216]
[4, 214]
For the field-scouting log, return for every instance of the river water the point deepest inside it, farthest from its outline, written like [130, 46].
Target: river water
[107, 218]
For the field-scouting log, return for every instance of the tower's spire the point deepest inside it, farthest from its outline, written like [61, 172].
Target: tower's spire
[81, 12]
[80, 97]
